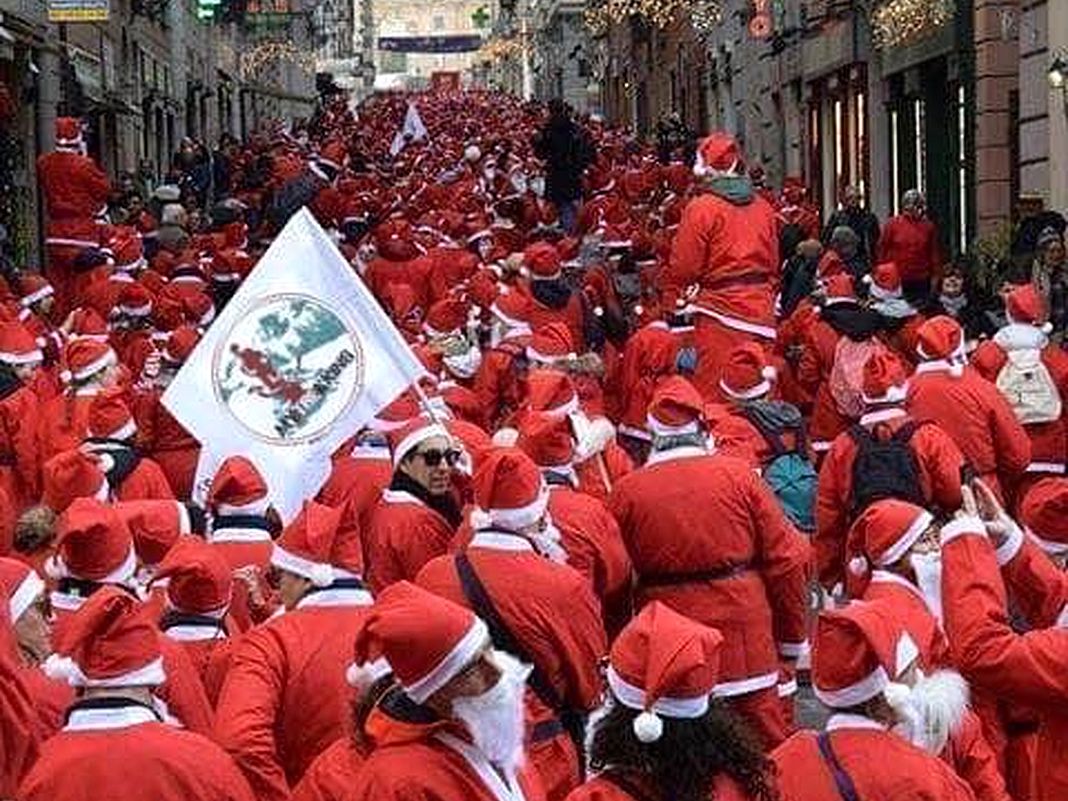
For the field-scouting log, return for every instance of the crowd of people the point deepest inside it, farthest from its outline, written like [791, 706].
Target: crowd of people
[680, 445]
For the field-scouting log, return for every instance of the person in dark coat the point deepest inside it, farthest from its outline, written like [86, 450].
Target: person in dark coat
[567, 151]
[864, 224]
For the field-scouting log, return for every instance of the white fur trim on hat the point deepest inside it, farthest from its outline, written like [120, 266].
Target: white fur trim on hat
[476, 638]
[256, 507]
[65, 668]
[416, 438]
[29, 357]
[896, 394]
[25, 594]
[670, 707]
[40, 294]
[318, 573]
[56, 568]
[363, 676]
[763, 388]
[658, 429]
[538, 357]
[125, 431]
[91, 369]
[857, 693]
[907, 540]
[513, 519]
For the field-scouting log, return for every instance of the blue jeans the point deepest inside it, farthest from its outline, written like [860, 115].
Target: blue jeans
[567, 211]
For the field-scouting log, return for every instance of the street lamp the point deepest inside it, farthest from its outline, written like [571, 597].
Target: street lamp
[1058, 73]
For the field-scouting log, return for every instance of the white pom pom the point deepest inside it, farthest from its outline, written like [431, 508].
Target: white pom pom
[66, 376]
[322, 575]
[639, 309]
[648, 727]
[598, 311]
[769, 373]
[60, 668]
[1046, 328]
[363, 676]
[858, 566]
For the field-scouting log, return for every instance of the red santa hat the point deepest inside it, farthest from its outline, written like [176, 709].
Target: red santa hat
[21, 585]
[548, 441]
[109, 417]
[856, 651]
[86, 358]
[884, 281]
[747, 374]
[180, 344]
[238, 488]
[550, 344]
[412, 434]
[838, 289]
[941, 339]
[155, 527]
[404, 408]
[543, 260]
[513, 309]
[884, 533]
[718, 154]
[197, 578]
[93, 543]
[68, 133]
[127, 250]
[87, 324]
[427, 640]
[199, 308]
[1025, 306]
[135, 301]
[111, 641]
[1044, 511]
[17, 345]
[509, 491]
[446, 317]
[307, 543]
[33, 288]
[885, 379]
[69, 475]
[664, 665]
[676, 408]
[552, 392]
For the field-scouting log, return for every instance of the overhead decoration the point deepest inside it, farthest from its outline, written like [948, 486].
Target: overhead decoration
[895, 23]
[501, 48]
[265, 53]
[705, 17]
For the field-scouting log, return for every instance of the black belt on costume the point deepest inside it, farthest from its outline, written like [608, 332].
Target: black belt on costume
[693, 576]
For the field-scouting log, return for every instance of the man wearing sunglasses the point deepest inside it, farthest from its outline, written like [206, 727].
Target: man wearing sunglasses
[418, 513]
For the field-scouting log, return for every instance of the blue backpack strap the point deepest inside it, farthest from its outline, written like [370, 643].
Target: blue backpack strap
[842, 780]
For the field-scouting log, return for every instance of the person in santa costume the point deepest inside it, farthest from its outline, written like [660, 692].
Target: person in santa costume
[499, 382]
[512, 574]
[19, 738]
[910, 240]
[111, 432]
[551, 297]
[71, 475]
[75, 191]
[19, 409]
[859, 652]
[739, 566]
[114, 743]
[1022, 350]
[662, 733]
[724, 260]
[198, 588]
[986, 557]
[588, 531]
[94, 551]
[946, 390]
[928, 474]
[901, 320]
[418, 513]
[242, 527]
[27, 600]
[894, 560]
[283, 700]
[468, 733]
[64, 421]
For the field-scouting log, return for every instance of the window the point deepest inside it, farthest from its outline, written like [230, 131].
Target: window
[439, 23]
[962, 168]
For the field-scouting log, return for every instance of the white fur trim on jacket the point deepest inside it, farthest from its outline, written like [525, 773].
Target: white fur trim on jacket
[960, 527]
[476, 638]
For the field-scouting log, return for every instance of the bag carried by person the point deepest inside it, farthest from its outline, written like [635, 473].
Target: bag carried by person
[787, 471]
[885, 466]
[846, 381]
[1027, 385]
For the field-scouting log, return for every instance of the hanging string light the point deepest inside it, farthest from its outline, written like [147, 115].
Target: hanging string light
[661, 13]
[895, 23]
[265, 53]
[705, 17]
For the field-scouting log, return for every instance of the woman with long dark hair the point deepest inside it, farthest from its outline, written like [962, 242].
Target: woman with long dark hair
[662, 737]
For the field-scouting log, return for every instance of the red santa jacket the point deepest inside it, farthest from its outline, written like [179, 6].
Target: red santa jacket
[284, 699]
[51, 699]
[603, 788]
[145, 482]
[567, 311]
[402, 535]
[126, 752]
[208, 645]
[19, 462]
[332, 774]
[732, 253]
[551, 610]
[72, 185]
[163, 438]
[1049, 441]
[64, 422]
[975, 415]
[938, 461]
[499, 383]
[1024, 669]
[357, 479]
[246, 544]
[881, 764]
[649, 355]
[738, 566]
[913, 246]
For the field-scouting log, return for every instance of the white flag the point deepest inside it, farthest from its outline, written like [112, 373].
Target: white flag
[413, 130]
[298, 361]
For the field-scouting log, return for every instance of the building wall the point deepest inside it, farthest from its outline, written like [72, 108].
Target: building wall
[419, 18]
[560, 57]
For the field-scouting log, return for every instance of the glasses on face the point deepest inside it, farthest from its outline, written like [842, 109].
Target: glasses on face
[434, 457]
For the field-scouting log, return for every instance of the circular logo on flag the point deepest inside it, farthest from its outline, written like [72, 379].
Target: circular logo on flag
[288, 369]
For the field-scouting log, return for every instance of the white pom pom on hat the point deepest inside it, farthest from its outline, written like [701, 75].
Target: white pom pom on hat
[858, 565]
[648, 727]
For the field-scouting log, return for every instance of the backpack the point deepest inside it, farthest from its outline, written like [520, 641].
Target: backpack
[1027, 385]
[885, 466]
[787, 472]
[847, 374]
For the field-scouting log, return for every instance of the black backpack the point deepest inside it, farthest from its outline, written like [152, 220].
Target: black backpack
[885, 466]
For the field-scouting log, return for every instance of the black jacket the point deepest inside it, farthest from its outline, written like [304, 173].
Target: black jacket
[567, 151]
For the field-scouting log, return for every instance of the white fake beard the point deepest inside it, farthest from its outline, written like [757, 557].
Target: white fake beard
[931, 710]
[495, 719]
[928, 569]
[465, 364]
[537, 186]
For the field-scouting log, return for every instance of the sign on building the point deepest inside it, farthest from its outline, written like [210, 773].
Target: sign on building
[78, 10]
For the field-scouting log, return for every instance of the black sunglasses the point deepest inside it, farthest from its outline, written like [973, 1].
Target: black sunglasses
[433, 457]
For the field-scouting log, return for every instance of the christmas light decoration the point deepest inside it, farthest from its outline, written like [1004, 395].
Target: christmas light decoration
[895, 23]
[264, 53]
[705, 17]
[601, 16]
